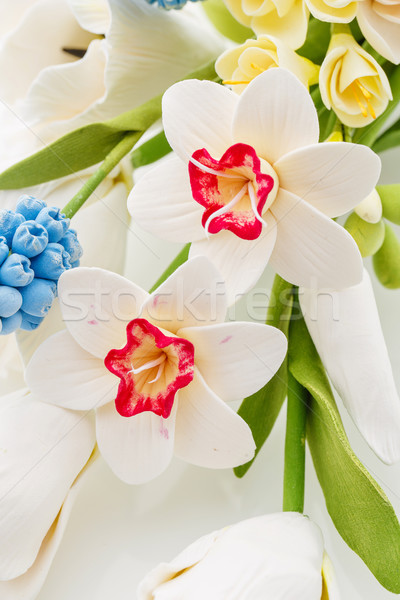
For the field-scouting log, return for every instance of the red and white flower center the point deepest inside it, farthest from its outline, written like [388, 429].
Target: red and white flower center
[152, 367]
[235, 190]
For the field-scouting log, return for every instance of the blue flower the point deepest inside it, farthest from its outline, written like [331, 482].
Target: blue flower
[36, 247]
[170, 4]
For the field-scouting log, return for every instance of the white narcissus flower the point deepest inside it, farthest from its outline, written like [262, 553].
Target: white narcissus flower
[286, 20]
[352, 82]
[279, 556]
[250, 184]
[240, 65]
[346, 331]
[46, 451]
[156, 367]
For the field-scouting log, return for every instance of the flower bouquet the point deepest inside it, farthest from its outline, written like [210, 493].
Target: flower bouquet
[189, 336]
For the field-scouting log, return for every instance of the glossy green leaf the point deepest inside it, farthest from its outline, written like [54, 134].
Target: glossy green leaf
[386, 261]
[360, 510]
[317, 42]
[368, 236]
[390, 198]
[150, 151]
[390, 139]
[260, 410]
[87, 145]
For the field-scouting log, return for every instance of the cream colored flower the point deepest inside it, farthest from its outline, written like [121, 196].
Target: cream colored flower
[352, 83]
[285, 19]
[238, 66]
[370, 209]
[379, 21]
[333, 11]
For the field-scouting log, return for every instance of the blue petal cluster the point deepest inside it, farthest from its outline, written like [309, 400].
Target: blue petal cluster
[170, 4]
[36, 247]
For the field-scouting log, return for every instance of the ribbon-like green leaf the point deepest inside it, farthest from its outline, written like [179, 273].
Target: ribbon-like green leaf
[260, 410]
[87, 145]
[360, 510]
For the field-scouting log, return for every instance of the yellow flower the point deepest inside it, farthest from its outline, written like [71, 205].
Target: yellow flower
[333, 11]
[238, 66]
[286, 20]
[352, 83]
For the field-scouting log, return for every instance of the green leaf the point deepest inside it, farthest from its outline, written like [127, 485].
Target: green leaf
[390, 198]
[390, 139]
[386, 261]
[368, 236]
[261, 410]
[360, 510]
[224, 21]
[317, 42]
[177, 262]
[150, 151]
[87, 145]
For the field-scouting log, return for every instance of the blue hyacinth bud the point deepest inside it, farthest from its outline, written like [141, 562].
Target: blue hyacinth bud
[4, 250]
[10, 301]
[30, 239]
[11, 324]
[38, 296]
[9, 222]
[72, 245]
[54, 221]
[32, 319]
[170, 4]
[29, 207]
[51, 263]
[15, 271]
[30, 323]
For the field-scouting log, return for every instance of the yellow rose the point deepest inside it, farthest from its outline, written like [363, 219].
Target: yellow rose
[286, 20]
[352, 83]
[238, 66]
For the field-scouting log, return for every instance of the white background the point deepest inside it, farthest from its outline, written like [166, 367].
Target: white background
[118, 532]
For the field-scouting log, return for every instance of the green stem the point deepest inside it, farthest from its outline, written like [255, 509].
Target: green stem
[111, 160]
[152, 150]
[295, 447]
[177, 262]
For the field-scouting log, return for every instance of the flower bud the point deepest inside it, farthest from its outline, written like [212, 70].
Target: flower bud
[352, 83]
[390, 198]
[370, 209]
[279, 555]
[54, 221]
[15, 271]
[238, 66]
[10, 324]
[29, 207]
[30, 239]
[9, 222]
[4, 250]
[387, 260]
[38, 296]
[10, 301]
[368, 236]
[72, 246]
[51, 263]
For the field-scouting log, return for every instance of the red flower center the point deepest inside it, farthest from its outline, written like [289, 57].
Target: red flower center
[152, 368]
[233, 190]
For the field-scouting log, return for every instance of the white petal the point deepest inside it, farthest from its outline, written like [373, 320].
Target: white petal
[382, 34]
[208, 432]
[96, 307]
[237, 359]
[332, 177]
[44, 449]
[275, 114]
[162, 203]
[62, 373]
[137, 448]
[311, 249]
[93, 15]
[28, 585]
[198, 114]
[346, 331]
[11, 367]
[194, 295]
[102, 229]
[273, 556]
[240, 262]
